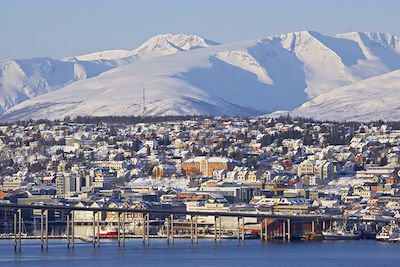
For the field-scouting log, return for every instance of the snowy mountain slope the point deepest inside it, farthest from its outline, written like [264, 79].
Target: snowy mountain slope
[333, 61]
[119, 91]
[244, 78]
[159, 45]
[371, 99]
[26, 78]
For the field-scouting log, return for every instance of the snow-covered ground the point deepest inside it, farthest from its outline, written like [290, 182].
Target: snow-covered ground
[23, 79]
[377, 98]
[334, 186]
[347, 181]
[245, 78]
[177, 183]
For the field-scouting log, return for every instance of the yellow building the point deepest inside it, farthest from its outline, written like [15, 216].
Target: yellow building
[206, 166]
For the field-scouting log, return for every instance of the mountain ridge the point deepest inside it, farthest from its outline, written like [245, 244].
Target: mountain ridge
[377, 98]
[248, 78]
[22, 79]
[163, 43]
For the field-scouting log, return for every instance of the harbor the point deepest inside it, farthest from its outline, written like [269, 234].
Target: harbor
[173, 225]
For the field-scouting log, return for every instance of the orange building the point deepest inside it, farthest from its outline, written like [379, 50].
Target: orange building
[206, 166]
[164, 170]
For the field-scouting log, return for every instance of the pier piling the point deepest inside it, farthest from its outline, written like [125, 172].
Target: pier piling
[238, 228]
[98, 229]
[313, 227]
[219, 228]
[41, 229]
[172, 227]
[123, 229]
[19, 229]
[283, 230]
[196, 228]
[215, 228]
[46, 229]
[144, 228]
[67, 231]
[73, 228]
[15, 231]
[119, 229]
[191, 228]
[94, 229]
[168, 224]
[148, 228]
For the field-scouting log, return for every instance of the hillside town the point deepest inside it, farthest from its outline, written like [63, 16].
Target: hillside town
[273, 165]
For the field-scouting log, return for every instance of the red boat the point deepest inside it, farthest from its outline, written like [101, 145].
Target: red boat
[109, 231]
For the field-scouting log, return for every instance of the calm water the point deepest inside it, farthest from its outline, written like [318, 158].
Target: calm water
[205, 253]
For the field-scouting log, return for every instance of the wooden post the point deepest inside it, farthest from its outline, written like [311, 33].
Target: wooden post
[215, 228]
[313, 227]
[41, 229]
[219, 228]
[288, 230]
[172, 227]
[167, 229]
[119, 229]
[46, 229]
[67, 230]
[15, 230]
[73, 228]
[283, 230]
[94, 229]
[266, 229]
[123, 229]
[191, 228]
[98, 228]
[243, 233]
[19, 229]
[144, 228]
[261, 230]
[148, 228]
[238, 228]
[196, 228]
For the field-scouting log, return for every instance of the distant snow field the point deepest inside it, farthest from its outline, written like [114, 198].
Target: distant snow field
[176, 183]
[350, 76]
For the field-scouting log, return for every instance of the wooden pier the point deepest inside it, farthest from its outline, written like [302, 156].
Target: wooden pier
[270, 225]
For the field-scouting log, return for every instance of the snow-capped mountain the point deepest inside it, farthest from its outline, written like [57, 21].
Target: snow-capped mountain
[159, 45]
[26, 78]
[376, 98]
[245, 78]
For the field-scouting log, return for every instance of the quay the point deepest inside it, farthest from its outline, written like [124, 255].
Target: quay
[270, 225]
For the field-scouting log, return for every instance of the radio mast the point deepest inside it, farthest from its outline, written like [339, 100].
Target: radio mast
[144, 101]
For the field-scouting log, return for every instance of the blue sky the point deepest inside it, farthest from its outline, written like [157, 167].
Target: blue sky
[68, 28]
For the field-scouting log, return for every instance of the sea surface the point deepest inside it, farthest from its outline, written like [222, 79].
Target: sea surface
[248, 253]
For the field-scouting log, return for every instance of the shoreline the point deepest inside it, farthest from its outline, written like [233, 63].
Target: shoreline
[88, 239]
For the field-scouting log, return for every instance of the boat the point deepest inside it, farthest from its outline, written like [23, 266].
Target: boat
[86, 239]
[245, 235]
[109, 231]
[394, 238]
[340, 235]
[389, 233]
[382, 235]
[311, 236]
